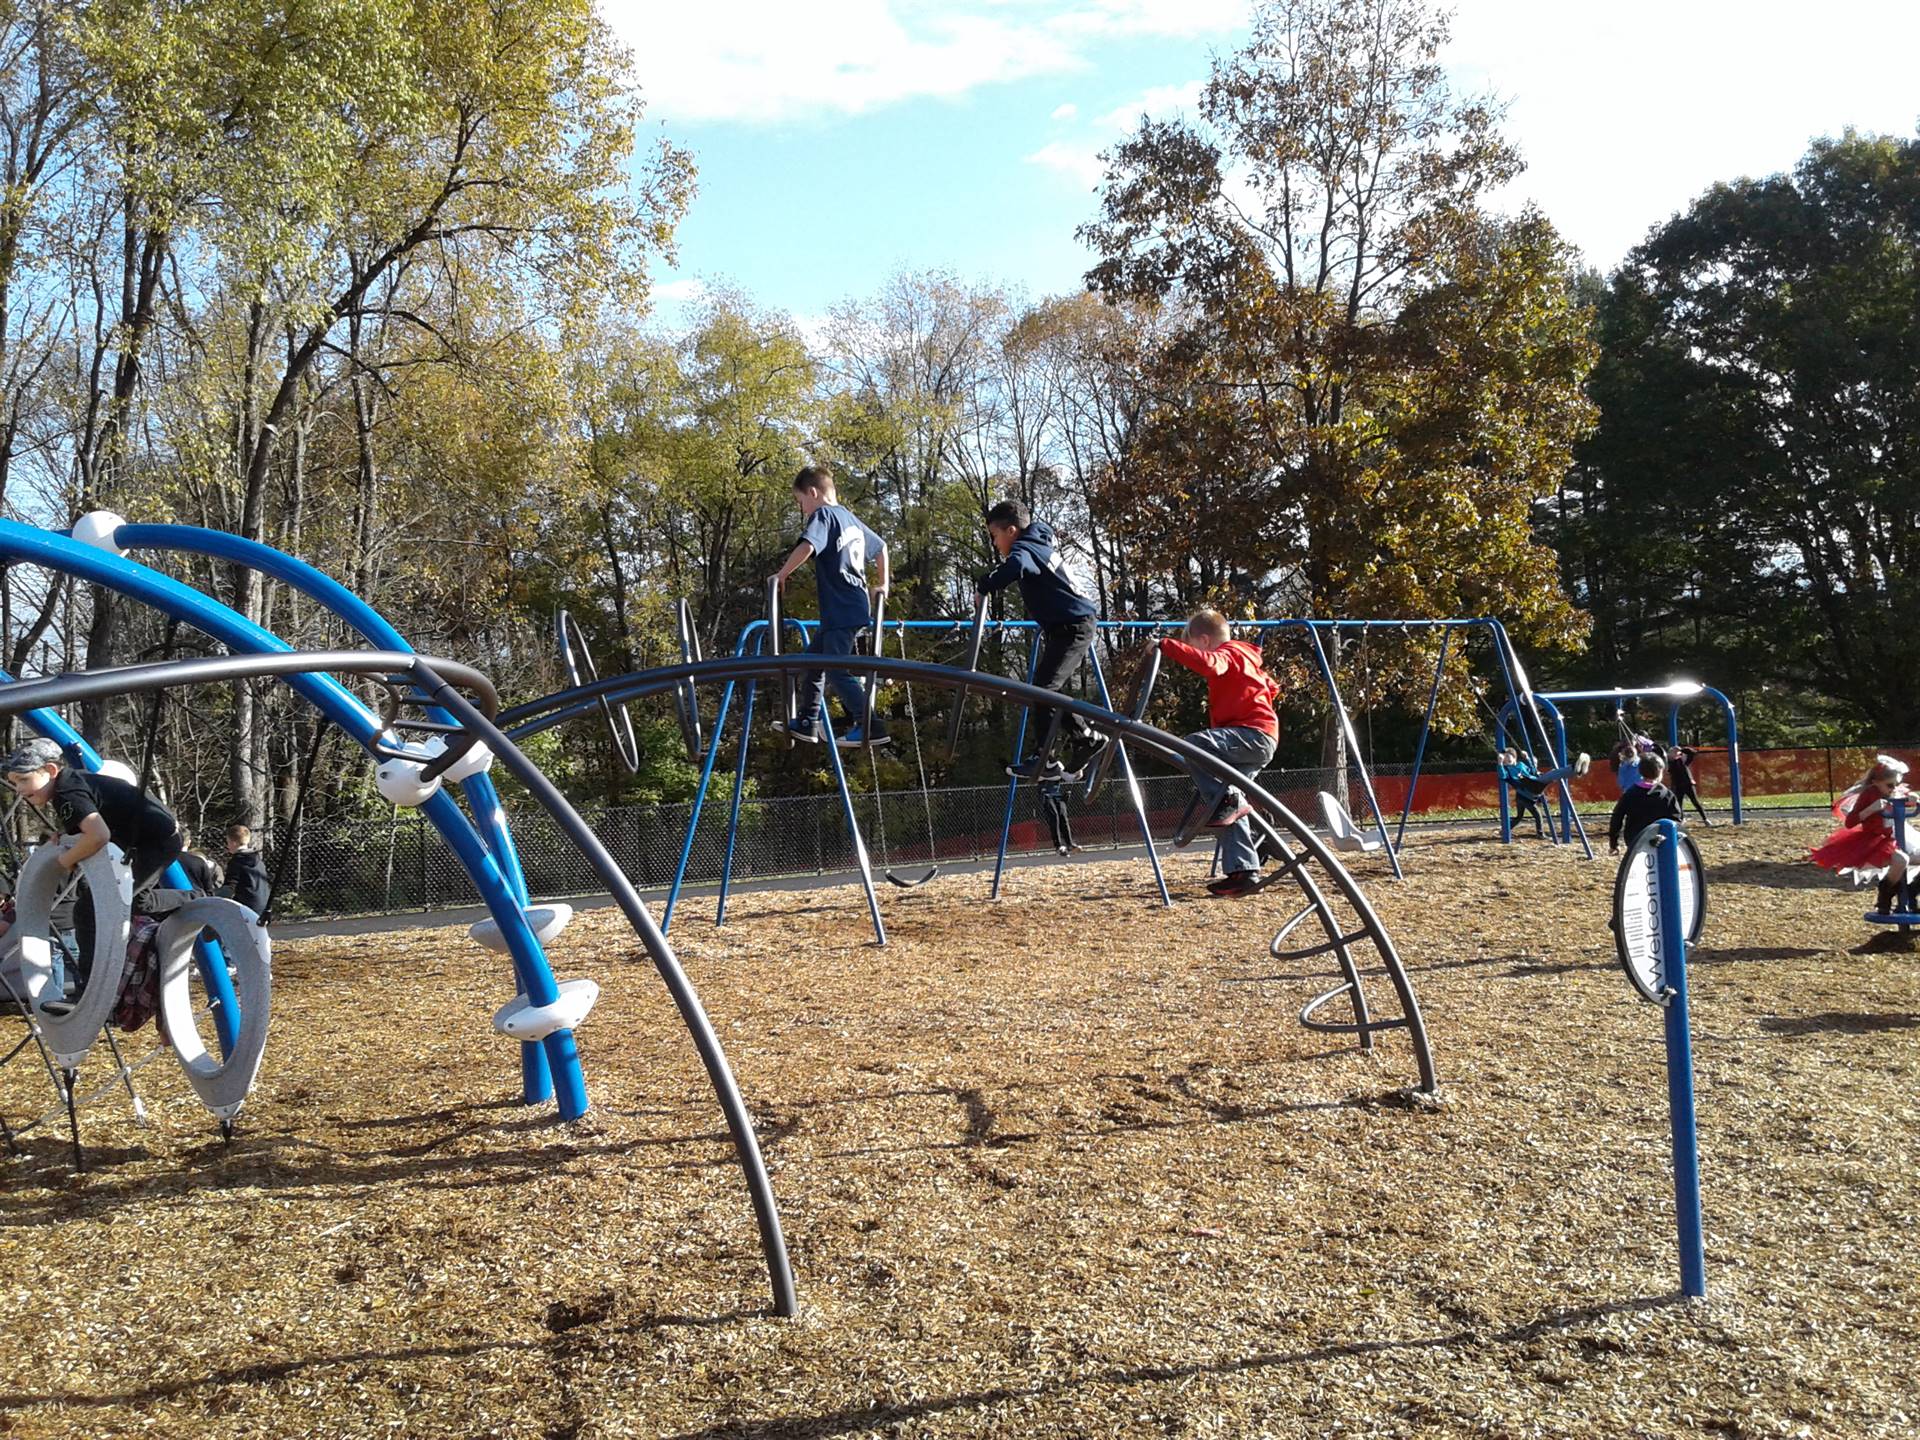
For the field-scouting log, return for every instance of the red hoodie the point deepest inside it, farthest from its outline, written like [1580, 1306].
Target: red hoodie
[1239, 693]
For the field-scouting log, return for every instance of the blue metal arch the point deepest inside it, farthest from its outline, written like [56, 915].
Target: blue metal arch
[66, 555]
[373, 627]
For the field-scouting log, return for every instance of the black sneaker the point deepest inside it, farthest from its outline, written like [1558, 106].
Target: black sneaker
[1237, 886]
[1233, 807]
[1033, 769]
[805, 731]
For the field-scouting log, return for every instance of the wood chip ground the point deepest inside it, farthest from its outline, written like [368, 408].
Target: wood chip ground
[1061, 1165]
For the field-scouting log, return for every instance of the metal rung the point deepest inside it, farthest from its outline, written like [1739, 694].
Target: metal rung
[1288, 928]
[1325, 948]
[1327, 1027]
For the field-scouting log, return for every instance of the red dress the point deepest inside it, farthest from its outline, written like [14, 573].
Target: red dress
[1863, 845]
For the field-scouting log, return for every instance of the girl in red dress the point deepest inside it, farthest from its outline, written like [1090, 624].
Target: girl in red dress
[1862, 848]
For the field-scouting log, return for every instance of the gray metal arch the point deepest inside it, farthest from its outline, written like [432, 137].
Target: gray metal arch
[1292, 841]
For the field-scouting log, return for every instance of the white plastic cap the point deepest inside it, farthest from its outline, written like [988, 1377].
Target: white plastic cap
[477, 759]
[118, 770]
[97, 528]
[399, 781]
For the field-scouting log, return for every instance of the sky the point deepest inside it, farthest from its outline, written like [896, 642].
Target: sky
[840, 141]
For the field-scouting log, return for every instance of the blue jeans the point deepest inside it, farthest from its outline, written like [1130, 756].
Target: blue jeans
[853, 695]
[1247, 751]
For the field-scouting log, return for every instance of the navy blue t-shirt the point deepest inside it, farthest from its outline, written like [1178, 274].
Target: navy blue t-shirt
[842, 546]
[1045, 582]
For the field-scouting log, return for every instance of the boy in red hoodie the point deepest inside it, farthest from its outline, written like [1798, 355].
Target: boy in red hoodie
[1244, 731]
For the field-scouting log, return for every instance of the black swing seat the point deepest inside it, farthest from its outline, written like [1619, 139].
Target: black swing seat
[912, 882]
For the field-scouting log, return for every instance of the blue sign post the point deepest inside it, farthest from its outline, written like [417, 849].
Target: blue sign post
[1659, 904]
[1686, 1145]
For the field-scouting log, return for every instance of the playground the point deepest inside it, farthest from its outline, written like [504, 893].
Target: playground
[1064, 1163]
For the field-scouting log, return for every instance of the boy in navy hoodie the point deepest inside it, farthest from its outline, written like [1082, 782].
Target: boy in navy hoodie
[841, 548]
[1065, 616]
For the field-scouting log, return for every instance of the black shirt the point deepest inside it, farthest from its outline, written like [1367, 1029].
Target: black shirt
[247, 880]
[131, 816]
[199, 872]
[1639, 807]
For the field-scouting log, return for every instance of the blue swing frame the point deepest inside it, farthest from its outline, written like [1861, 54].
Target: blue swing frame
[754, 636]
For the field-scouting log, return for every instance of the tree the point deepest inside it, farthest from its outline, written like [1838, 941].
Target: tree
[1374, 379]
[1753, 489]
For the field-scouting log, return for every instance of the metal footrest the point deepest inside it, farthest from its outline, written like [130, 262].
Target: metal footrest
[1326, 947]
[1329, 1027]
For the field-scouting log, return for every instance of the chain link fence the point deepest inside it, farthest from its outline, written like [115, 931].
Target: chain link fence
[405, 865]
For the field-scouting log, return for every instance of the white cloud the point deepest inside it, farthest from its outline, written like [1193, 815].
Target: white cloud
[687, 290]
[1064, 112]
[1626, 113]
[769, 61]
[1079, 158]
[1161, 102]
[1079, 162]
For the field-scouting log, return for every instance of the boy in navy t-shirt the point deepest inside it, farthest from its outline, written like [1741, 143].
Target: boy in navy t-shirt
[841, 548]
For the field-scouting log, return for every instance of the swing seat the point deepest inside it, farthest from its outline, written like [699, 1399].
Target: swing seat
[1342, 833]
[911, 882]
[1902, 918]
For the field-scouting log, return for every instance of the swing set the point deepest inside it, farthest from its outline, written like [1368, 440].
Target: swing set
[765, 636]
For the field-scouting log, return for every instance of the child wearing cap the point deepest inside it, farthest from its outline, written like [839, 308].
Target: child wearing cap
[92, 812]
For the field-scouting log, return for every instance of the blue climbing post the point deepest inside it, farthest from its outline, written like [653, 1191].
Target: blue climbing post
[1013, 781]
[1686, 1146]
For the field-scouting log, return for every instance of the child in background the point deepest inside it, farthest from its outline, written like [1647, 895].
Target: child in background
[202, 878]
[1863, 849]
[1646, 803]
[1523, 784]
[1243, 731]
[1680, 778]
[841, 548]
[247, 882]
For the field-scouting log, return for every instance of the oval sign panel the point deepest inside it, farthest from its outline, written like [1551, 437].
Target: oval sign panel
[1636, 909]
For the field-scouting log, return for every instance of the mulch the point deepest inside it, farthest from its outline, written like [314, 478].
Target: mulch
[1062, 1164]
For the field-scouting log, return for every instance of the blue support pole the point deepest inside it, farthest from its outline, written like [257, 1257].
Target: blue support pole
[102, 567]
[1133, 785]
[699, 803]
[1686, 1146]
[1500, 743]
[1353, 749]
[733, 808]
[1426, 727]
[1013, 781]
[373, 627]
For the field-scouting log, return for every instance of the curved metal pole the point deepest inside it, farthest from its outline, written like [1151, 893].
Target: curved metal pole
[64, 554]
[1126, 771]
[557, 709]
[685, 998]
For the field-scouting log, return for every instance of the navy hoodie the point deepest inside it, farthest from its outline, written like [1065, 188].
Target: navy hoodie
[1045, 583]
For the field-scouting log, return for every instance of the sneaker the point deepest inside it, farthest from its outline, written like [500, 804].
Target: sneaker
[1237, 886]
[807, 731]
[1582, 763]
[1233, 807]
[1033, 769]
[856, 738]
